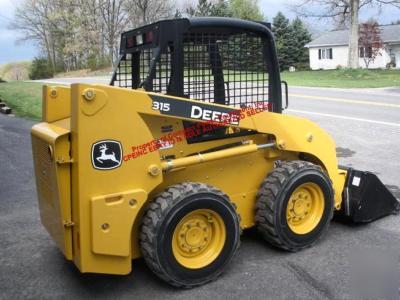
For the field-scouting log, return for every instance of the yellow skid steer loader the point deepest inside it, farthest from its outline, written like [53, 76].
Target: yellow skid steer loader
[185, 148]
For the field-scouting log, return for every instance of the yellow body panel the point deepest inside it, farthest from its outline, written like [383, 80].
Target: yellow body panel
[107, 206]
[56, 103]
[50, 146]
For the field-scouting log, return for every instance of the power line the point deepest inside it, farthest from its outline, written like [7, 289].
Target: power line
[5, 17]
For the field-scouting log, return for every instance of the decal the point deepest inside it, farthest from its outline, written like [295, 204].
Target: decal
[106, 155]
[356, 181]
[197, 111]
[161, 106]
[168, 140]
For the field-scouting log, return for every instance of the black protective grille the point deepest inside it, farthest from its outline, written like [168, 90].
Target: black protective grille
[123, 74]
[134, 69]
[225, 68]
[220, 67]
[161, 80]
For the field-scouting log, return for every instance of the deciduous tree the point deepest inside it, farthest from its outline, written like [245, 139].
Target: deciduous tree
[32, 19]
[115, 19]
[370, 41]
[242, 9]
[77, 34]
[205, 8]
[246, 9]
[143, 12]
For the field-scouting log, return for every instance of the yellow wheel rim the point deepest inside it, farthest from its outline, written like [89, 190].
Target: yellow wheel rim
[199, 238]
[305, 208]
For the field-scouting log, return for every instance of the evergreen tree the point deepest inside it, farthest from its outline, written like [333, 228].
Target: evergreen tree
[282, 33]
[290, 40]
[299, 37]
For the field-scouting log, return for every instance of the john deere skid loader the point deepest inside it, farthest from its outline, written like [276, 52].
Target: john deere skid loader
[185, 148]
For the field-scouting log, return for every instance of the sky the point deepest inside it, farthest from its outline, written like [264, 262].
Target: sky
[12, 51]
[9, 51]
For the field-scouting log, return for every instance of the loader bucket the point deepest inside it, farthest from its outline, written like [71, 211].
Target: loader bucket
[366, 198]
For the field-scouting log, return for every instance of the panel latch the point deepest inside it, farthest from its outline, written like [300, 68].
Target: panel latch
[68, 224]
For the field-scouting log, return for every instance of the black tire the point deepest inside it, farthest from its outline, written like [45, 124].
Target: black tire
[273, 198]
[163, 215]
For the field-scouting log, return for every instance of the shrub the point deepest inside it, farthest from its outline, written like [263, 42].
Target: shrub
[302, 66]
[391, 65]
[357, 73]
[92, 62]
[40, 69]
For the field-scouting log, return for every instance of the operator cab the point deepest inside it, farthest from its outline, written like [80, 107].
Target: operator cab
[218, 60]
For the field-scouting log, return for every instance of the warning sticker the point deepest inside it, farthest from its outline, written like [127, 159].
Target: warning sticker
[356, 181]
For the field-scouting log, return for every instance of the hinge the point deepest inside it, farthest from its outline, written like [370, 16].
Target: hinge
[68, 224]
[62, 160]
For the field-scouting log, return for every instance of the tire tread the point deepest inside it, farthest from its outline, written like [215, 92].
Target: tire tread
[267, 197]
[153, 218]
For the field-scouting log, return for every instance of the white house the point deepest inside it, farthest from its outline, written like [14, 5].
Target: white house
[330, 50]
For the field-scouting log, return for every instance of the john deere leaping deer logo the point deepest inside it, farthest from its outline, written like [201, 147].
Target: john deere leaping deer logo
[106, 155]
[103, 148]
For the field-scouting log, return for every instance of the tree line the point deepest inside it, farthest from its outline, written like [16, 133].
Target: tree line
[75, 34]
[84, 34]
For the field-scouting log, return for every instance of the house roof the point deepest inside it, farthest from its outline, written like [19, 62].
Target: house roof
[389, 34]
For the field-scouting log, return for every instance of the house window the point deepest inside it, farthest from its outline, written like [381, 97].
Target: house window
[325, 53]
[365, 52]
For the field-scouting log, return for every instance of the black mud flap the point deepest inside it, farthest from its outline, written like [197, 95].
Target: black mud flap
[366, 198]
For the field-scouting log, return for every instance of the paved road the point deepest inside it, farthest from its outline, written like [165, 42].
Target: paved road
[366, 127]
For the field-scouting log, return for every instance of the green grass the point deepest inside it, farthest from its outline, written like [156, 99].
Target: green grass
[25, 98]
[344, 78]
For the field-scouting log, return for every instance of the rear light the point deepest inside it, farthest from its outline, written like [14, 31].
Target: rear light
[149, 37]
[130, 42]
[139, 39]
